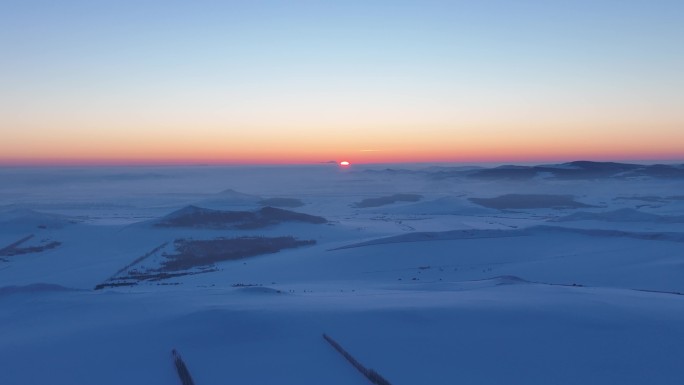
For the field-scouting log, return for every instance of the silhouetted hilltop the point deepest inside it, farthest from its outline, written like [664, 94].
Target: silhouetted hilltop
[193, 216]
[505, 172]
[233, 195]
[230, 199]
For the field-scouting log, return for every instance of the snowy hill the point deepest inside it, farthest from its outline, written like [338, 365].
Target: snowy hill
[13, 218]
[555, 278]
[229, 198]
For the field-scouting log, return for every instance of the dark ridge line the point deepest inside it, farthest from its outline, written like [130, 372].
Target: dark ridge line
[570, 285]
[606, 287]
[522, 280]
[181, 369]
[370, 374]
[659, 291]
[390, 239]
[668, 236]
[506, 233]
[12, 246]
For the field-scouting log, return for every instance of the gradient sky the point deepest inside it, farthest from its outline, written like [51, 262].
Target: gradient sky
[366, 81]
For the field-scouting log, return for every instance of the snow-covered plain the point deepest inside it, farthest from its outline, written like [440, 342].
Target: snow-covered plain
[557, 274]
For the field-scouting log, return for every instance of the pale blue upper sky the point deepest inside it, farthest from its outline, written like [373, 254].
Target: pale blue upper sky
[103, 68]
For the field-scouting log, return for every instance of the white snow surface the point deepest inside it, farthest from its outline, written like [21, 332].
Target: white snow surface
[439, 291]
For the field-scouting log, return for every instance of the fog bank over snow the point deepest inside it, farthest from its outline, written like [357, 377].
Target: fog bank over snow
[565, 274]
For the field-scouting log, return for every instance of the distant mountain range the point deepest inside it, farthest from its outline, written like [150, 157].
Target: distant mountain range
[578, 170]
[583, 170]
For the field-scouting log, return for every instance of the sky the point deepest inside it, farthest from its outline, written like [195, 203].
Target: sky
[370, 81]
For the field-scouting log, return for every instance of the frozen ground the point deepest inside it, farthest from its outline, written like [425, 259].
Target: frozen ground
[555, 274]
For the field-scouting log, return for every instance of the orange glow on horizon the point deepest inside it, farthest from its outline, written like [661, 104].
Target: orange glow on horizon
[417, 157]
[383, 145]
[363, 143]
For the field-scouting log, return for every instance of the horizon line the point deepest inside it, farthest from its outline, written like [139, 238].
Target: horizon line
[124, 163]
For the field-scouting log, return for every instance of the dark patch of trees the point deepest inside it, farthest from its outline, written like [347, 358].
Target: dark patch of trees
[207, 218]
[386, 200]
[191, 253]
[114, 284]
[152, 276]
[202, 254]
[14, 249]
